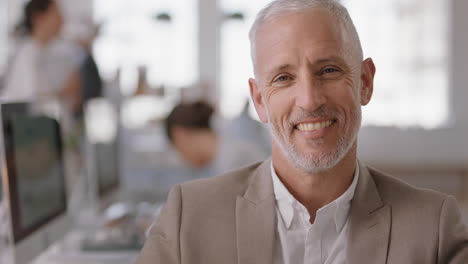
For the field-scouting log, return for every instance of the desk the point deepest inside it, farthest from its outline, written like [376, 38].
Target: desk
[69, 251]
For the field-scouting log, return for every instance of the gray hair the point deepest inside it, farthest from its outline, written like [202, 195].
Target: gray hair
[280, 7]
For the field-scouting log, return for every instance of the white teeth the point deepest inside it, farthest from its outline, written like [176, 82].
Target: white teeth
[314, 126]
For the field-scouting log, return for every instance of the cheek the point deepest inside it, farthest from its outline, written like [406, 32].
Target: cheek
[185, 153]
[278, 103]
[180, 147]
[346, 99]
[57, 22]
[353, 113]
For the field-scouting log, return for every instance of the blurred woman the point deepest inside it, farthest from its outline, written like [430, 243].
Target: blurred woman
[189, 130]
[33, 72]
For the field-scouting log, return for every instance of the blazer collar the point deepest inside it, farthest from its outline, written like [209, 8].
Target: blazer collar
[369, 222]
[261, 184]
[256, 218]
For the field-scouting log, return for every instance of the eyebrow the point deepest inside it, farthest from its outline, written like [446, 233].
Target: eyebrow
[270, 72]
[329, 59]
[287, 66]
[282, 67]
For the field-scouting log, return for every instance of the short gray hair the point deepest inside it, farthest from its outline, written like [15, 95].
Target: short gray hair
[280, 7]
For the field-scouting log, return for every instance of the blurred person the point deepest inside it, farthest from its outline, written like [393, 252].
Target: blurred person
[313, 201]
[91, 79]
[83, 33]
[38, 69]
[209, 153]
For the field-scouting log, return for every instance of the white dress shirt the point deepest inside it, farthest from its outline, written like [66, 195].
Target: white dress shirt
[298, 241]
[22, 82]
[40, 70]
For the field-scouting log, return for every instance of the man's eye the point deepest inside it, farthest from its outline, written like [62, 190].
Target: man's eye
[329, 70]
[282, 78]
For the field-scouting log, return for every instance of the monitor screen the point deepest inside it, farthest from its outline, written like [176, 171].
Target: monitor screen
[107, 167]
[35, 169]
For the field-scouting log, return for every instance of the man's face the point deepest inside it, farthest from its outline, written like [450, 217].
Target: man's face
[310, 85]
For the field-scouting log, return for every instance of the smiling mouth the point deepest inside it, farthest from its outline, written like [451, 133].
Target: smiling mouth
[313, 126]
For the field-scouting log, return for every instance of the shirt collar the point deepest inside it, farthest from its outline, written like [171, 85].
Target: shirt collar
[339, 207]
[284, 199]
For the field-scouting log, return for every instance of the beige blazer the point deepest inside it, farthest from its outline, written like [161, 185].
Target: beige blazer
[231, 219]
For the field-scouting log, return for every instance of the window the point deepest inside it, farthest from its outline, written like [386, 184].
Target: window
[408, 41]
[236, 66]
[160, 35]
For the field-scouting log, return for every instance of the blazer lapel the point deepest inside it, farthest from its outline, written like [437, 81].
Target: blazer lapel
[256, 219]
[370, 223]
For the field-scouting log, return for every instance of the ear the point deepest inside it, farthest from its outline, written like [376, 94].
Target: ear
[256, 96]
[367, 80]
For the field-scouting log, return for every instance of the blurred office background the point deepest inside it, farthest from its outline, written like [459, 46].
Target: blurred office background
[153, 54]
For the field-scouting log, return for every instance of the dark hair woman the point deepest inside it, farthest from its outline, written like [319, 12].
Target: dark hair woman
[42, 19]
[35, 70]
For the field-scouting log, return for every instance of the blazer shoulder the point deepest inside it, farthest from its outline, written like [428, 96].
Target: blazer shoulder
[393, 190]
[230, 184]
[426, 220]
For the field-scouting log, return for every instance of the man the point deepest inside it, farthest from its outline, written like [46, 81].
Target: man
[313, 202]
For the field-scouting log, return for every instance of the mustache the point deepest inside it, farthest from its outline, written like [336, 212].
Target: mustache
[322, 112]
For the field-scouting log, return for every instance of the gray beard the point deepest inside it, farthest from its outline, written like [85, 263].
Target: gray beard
[316, 163]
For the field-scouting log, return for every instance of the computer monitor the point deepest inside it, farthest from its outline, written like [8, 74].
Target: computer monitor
[34, 178]
[101, 121]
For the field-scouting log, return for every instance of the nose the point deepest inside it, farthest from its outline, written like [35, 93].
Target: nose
[310, 94]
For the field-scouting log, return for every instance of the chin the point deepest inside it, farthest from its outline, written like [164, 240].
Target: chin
[316, 164]
[316, 160]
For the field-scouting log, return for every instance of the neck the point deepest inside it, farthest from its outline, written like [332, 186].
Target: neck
[315, 190]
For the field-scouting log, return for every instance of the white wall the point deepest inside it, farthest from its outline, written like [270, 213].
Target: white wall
[444, 147]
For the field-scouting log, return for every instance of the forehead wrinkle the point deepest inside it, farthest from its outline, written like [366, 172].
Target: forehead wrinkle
[309, 60]
[295, 51]
[321, 52]
[269, 43]
[274, 69]
[344, 34]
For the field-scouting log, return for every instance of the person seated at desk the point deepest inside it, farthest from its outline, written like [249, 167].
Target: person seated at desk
[188, 128]
[38, 68]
